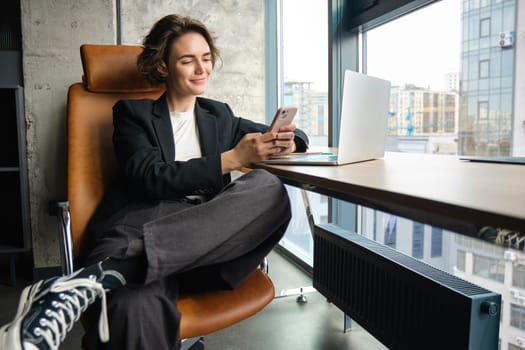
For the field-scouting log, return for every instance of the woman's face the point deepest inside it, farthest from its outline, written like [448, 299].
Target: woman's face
[190, 65]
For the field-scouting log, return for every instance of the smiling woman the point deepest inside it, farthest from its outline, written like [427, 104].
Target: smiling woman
[174, 220]
[153, 62]
[190, 66]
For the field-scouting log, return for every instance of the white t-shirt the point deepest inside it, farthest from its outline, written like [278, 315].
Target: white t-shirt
[185, 135]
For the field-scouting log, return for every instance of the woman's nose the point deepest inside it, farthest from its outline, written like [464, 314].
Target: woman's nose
[199, 67]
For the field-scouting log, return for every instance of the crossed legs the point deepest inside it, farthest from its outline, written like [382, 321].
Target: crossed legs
[209, 246]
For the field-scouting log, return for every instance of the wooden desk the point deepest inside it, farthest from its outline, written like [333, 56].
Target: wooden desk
[387, 292]
[439, 190]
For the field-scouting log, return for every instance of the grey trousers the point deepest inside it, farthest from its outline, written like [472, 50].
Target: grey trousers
[193, 247]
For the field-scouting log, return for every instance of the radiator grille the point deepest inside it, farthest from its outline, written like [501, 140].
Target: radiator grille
[403, 302]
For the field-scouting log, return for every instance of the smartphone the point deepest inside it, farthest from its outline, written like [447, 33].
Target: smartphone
[283, 116]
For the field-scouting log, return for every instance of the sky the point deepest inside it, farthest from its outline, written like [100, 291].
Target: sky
[418, 48]
[305, 42]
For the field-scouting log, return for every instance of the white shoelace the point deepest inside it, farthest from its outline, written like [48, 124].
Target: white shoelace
[54, 329]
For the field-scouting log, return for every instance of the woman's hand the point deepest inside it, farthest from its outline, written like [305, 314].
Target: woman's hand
[257, 147]
[284, 139]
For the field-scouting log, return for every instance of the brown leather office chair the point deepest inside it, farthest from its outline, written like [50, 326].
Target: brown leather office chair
[110, 74]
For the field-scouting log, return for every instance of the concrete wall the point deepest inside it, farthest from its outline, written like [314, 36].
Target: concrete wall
[52, 32]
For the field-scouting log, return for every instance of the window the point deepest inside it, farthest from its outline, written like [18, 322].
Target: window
[484, 27]
[484, 69]
[390, 231]
[460, 260]
[517, 316]
[303, 82]
[483, 111]
[436, 243]
[467, 47]
[418, 240]
[305, 74]
[489, 268]
[518, 276]
[424, 68]
[452, 93]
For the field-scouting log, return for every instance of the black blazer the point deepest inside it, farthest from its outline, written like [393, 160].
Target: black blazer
[145, 150]
[143, 143]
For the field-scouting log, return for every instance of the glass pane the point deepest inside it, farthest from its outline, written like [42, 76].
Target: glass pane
[304, 84]
[518, 276]
[485, 27]
[421, 57]
[436, 248]
[484, 68]
[464, 61]
[418, 240]
[460, 262]
[304, 65]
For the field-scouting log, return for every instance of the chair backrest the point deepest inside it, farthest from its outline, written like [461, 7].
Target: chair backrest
[110, 74]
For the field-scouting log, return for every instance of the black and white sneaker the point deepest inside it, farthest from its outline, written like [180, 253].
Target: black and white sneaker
[48, 309]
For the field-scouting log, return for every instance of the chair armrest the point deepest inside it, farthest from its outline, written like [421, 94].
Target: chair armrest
[60, 209]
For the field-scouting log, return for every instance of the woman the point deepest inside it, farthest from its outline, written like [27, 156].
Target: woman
[174, 221]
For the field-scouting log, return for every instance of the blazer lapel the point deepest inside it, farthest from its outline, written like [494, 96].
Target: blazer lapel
[162, 125]
[207, 124]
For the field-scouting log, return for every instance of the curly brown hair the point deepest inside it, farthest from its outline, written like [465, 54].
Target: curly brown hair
[153, 61]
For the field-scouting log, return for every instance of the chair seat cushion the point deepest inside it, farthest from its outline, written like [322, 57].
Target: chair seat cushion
[209, 312]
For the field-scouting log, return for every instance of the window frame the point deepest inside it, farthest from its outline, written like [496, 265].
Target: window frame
[482, 25]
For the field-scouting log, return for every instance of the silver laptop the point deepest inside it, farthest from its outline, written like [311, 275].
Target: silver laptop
[362, 132]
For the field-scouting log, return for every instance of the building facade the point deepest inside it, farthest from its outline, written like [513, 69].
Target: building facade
[488, 48]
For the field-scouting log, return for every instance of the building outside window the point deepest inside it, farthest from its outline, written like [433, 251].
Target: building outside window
[491, 39]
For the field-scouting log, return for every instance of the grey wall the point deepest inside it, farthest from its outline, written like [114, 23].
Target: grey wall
[53, 31]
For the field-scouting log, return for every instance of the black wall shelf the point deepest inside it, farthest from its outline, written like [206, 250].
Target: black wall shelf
[14, 208]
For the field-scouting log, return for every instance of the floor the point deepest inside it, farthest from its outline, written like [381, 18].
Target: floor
[283, 325]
